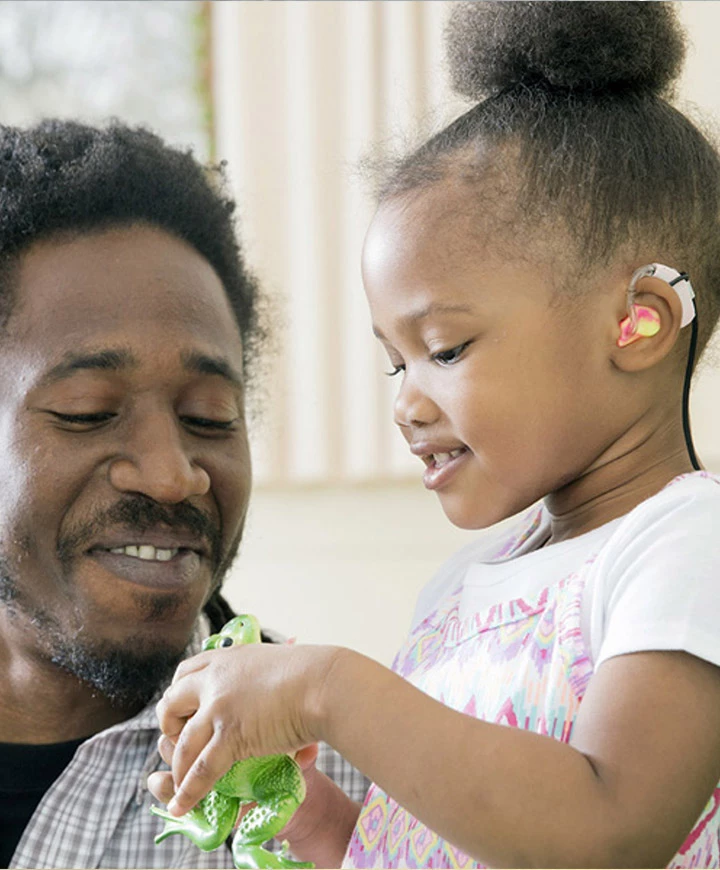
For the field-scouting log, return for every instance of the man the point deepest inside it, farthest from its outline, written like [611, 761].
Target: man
[128, 323]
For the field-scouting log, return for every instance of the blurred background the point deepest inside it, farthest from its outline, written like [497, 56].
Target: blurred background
[341, 534]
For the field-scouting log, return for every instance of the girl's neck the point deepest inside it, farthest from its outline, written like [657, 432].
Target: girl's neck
[618, 482]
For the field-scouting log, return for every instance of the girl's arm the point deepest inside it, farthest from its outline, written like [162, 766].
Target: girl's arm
[643, 760]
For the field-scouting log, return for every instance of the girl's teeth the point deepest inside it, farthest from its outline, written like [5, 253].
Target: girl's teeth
[146, 552]
[443, 458]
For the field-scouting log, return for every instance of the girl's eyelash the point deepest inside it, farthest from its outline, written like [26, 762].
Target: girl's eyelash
[450, 356]
[444, 357]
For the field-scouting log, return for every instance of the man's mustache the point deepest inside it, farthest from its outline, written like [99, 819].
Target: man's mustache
[140, 513]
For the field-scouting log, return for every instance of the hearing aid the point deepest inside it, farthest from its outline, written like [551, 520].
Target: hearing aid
[644, 322]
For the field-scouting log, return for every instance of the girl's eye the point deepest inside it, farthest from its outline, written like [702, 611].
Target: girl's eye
[448, 357]
[396, 371]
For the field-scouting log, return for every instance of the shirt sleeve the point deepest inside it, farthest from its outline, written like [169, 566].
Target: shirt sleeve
[660, 587]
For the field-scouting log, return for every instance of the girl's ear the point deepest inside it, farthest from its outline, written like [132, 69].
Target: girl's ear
[647, 338]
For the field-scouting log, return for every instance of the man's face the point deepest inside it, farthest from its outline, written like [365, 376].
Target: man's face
[124, 462]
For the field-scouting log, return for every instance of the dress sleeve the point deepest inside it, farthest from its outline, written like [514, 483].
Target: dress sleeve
[660, 578]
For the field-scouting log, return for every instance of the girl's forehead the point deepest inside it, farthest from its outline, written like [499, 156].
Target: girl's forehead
[424, 253]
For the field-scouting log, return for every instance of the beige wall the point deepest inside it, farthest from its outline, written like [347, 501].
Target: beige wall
[343, 563]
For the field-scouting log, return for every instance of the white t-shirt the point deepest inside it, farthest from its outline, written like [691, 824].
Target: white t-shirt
[653, 584]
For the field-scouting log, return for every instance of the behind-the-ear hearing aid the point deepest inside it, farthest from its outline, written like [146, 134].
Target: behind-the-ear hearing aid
[644, 322]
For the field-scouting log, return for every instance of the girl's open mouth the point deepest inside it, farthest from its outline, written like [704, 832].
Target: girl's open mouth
[442, 466]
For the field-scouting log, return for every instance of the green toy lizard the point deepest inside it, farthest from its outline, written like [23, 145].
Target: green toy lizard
[273, 782]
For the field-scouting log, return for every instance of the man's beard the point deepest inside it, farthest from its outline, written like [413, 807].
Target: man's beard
[128, 678]
[130, 675]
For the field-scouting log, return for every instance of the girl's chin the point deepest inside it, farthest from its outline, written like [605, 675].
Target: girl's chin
[468, 517]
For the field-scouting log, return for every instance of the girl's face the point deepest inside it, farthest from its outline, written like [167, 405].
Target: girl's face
[503, 395]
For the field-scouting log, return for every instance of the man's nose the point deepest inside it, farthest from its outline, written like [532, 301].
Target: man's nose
[155, 461]
[413, 406]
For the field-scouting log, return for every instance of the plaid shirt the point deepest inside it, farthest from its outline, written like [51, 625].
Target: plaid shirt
[97, 813]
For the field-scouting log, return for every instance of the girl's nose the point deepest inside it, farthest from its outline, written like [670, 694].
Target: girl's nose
[413, 406]
[156, 463]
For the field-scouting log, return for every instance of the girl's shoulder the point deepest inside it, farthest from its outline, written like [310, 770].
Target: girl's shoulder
[654, 583]
[687, 507]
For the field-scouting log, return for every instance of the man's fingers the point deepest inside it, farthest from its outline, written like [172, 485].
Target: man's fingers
[160, 784]
[212, 763]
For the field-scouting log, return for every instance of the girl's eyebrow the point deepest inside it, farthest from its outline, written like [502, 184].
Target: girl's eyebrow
[427, 310]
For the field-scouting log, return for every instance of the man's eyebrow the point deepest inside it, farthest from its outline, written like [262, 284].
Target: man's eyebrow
[103, 360]
[426, 311]
[204, 364]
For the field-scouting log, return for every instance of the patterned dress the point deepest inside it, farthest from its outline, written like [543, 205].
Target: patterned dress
[535, 670]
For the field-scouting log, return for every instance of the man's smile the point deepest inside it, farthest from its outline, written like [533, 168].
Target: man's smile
[159, 559]
[171, 569]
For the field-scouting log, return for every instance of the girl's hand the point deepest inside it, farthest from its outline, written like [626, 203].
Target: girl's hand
[160, 782]
[320, 828]
[228, 704]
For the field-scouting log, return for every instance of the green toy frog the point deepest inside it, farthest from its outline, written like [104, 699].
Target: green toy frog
[273, 782]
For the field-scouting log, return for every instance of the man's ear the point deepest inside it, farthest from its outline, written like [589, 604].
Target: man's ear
[647, 338]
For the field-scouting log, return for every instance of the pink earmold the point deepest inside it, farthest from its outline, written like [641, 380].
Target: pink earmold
[644, 324]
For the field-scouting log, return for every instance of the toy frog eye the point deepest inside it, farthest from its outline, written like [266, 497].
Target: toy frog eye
[226, 641]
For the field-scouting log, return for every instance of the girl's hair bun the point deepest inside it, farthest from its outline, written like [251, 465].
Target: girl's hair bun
[565, 45]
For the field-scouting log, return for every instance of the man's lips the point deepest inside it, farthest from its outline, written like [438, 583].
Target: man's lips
[160, 540]
[175, 569]
[157, 559]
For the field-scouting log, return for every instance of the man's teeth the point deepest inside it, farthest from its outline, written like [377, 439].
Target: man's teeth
[441, 459]
[147, 552]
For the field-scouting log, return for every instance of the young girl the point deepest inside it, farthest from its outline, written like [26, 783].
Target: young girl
[557, 702]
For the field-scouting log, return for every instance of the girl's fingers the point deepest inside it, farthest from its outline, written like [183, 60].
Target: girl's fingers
[307, 756]
[212, 763]
[195, 736]
[191, 665]
[160, 784]
[179, 702]
[166, 748]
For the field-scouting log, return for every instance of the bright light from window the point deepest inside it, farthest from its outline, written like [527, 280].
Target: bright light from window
[137, 60]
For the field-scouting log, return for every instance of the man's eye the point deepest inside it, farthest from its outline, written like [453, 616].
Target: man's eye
[448, 357]
[83, 419]
[208, 424]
